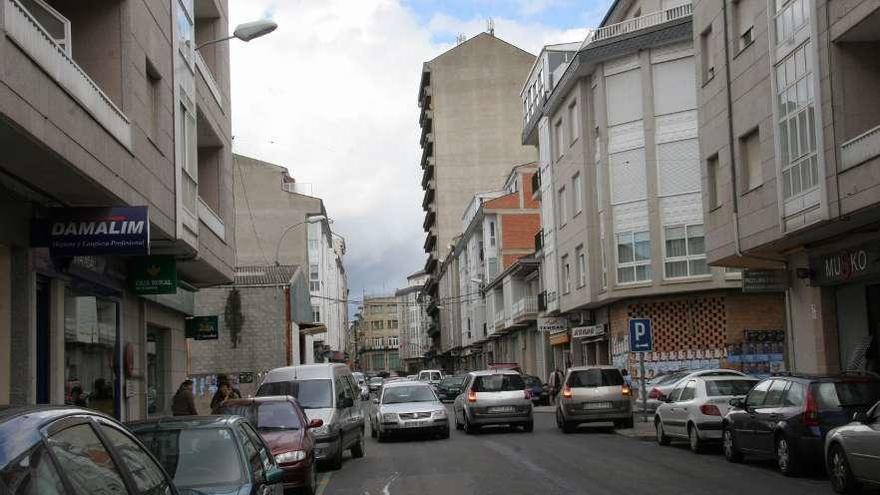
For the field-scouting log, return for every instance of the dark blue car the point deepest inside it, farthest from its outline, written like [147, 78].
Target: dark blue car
[537, 390]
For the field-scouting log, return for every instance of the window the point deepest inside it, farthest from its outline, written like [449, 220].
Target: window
[559, 138]
[595, 378]
[577, 193]
[146, 473]
[186, 30]
[254, 451]
[563, 213]
[689, 391]
[750, 153]
[757, 395]
[32, 473]
[314, 278]
[685, 251]
[566, 274]
[188, 153]
[85, 461]
[491, 233]
[718, 388]
[581, 266]
[392, 324]
[604, 263]
[774, 395]
[790, 17]
[707, 53]
[633, 257]
[744, 22]
[499, 383]
[797, 123]
[794, 396]
[713, 177]
[154, 98]
[573, 127]
[316, 313]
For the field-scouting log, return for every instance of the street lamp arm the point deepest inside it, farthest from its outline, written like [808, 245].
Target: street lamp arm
[213, 41]
[278, 245]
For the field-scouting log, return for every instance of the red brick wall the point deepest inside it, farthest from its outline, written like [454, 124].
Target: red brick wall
[507, 201]
[518, 231]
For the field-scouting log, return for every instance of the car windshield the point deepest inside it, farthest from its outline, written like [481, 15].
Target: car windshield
[670, 378]
[279, 415]
[595, 378]
[452, 381]
[718, 388]
[414, 393]
[499, 383]
[376, 380]
[833, 395]
[311, 394]
[196, 457]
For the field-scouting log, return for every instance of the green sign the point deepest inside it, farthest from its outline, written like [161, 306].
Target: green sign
[150, 275]
[203, 328]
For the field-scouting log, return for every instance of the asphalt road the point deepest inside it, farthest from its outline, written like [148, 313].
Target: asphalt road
[594, 461]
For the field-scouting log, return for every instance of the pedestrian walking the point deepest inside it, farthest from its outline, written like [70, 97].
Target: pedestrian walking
[556, 379]
[184, 402]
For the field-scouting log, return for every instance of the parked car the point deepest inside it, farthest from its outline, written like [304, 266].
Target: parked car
[408, 407]
[539, 391]
[594, 394]
[327, 392]
[94, 454]
[412, 377]
[694, 409]
[505, 366]
[283, 425]
[852, 452]
[211, 454]
[496, 397]
[660, 387]
[376, 383]
[450, 387]
[787, 417]
[433, 377]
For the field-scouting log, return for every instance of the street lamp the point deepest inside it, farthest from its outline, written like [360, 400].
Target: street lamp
[314, 219]
[246, 32]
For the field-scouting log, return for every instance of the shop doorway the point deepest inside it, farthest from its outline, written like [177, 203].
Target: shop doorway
[43, 347]
[872, 357]
[158, 394]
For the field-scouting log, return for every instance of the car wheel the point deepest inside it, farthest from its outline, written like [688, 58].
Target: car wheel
[785, 457]
[529, 427]
[359, 449]
[662, 439]
[694, 440]
[729, 447]
[842, 479]
[469, 428]
[336, 462]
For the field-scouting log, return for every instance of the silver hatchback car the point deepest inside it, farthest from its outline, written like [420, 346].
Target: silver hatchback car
[594, 394]
[496, 397]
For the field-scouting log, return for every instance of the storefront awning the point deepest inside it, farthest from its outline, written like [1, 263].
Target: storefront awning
[312, 328]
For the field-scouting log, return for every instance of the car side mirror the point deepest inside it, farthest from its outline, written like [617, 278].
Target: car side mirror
[737, 402]
[860, 417]
[316, 423]
[274, 475]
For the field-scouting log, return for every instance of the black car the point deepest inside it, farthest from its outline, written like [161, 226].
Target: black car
[787, 417]
[45, 449]
[212, 455]
[450, 387]
[539, 391]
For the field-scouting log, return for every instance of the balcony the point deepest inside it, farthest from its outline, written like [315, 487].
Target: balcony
[430, 216]
[638, 23]
[431, 263]
[498, 322]
[860, 148]
[539, 240]
[427, 175]
[428, 199]
[210, 82]
[427, 155]
[525, 309]
[28, 34]
[430, 240]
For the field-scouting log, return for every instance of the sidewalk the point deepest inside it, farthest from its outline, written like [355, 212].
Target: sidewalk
[641, 430]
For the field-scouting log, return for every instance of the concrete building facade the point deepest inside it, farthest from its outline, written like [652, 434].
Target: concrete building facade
[413, 323]
[380, 344]
[109, 106]
[790, 154]
[470, 137]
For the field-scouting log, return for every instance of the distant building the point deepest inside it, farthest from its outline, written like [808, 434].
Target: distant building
[380, 334]
[414, 342]
[470, 122]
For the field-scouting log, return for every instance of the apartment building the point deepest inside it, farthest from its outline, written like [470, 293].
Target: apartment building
[278, 223]
[115, 109]
[488, 283]
[380, 330]
[616, 123]
[470, 137]
[790, 153]
[413, 323]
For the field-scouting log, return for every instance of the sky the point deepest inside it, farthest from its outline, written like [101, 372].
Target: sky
[332, 95]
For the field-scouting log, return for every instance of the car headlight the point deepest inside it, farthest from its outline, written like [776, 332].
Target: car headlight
[389, 417]
[321, 430]
[440, 413]
[292, 456]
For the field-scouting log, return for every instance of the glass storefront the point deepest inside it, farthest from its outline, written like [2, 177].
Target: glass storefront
[90, 328]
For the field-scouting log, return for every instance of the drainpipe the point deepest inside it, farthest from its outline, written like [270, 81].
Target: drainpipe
[288, 344]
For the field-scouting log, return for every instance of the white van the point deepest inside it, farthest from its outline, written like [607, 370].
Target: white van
[328, 392]
[431, 376]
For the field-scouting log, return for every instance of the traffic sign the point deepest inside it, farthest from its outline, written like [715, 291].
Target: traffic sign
[640, 338]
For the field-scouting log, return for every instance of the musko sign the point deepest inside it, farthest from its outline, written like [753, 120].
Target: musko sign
[98, 231]
[846, 265]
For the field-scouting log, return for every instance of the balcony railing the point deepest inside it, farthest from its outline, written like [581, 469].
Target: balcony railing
[860, 148]
[637, 23]
[499, 320]
[208, 76]
[26, 32]
[525, 309]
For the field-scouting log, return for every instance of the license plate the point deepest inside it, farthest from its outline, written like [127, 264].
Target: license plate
[412, 424]
[501, 409]
[597, 405]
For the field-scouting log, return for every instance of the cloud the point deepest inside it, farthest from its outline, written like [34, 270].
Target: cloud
[332, 95]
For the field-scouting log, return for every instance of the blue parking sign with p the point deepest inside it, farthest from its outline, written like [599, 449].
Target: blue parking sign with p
[640, 338]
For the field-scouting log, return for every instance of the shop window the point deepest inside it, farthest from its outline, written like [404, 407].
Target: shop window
[89, 342]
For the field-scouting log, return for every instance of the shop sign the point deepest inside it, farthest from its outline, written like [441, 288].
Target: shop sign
[764, 280]
[552, 324]
[846, 265]
[150, 275]
[587, 332]
[560, 339]
[203, 328]
[246, 377]
[97, 231]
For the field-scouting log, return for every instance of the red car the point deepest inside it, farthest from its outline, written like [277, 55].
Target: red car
[285, 428]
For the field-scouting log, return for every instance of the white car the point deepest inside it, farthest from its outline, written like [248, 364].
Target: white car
[408, 407]
[693, 410]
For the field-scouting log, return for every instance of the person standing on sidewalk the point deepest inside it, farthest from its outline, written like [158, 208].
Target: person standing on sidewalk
[184, 402]
[556, 379]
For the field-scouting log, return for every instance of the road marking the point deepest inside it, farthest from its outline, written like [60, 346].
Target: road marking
[323, 481]
[385, 489]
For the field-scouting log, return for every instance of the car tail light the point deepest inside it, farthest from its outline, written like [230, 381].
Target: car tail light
[472, 396]
[655, 393]
[811, 410]
[710, 410]
[566, 392]
[527, 395]
[625, 390]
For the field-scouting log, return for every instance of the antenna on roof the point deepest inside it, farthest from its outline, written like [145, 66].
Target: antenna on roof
[490, 26]
[461, 38]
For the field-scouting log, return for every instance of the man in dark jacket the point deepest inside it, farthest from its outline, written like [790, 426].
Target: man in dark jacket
[184, 402]
[225, 391]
